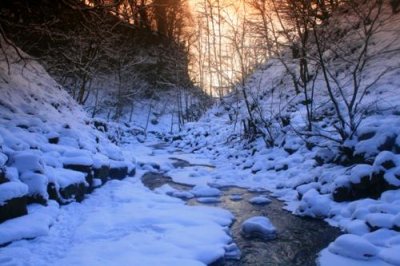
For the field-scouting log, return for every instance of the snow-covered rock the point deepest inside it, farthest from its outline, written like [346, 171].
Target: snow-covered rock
[314, 204]
[258, 226]
[354, 247]
[205, 191]
[260, 200]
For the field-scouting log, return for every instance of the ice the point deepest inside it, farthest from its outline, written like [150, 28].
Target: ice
[10, 190]
[258, 226]
[353, 246]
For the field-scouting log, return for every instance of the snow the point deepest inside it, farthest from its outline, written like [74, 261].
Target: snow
[37, 184]
[182, 195]
[391, 255]
[380, 220]
[205, 191]
[236, 197]
[259, 226]
[35, 224]
[232, 252]
[314, 204]
[360, 171]
[10, 190]
[260, 200]
[28, 161]
[353, 246]
[122, 223]
[65, 177]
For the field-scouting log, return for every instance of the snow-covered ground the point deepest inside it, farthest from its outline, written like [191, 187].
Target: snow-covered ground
[123, 223]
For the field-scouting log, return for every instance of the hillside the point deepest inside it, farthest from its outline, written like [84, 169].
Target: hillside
[354, 182]
[109, 66]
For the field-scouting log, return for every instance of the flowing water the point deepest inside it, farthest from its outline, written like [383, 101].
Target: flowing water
[299, 239]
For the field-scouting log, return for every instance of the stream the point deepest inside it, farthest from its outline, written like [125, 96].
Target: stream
[299, 239]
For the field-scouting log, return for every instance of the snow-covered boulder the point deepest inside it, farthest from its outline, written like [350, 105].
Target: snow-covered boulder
[208, 199]
[205, 191]
[12, 200]
[314, 204]
[258, 226]
[353, 246]
[260, 200]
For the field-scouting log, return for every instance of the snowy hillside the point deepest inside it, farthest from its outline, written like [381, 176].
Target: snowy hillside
[352, 183]
[49, 148]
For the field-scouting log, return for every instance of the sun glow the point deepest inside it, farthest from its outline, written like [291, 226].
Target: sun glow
[225, 49]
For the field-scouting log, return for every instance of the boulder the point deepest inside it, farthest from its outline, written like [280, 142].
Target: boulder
[13, 208]
[118, 172]
[102, 173]
[342, 193]
[86, 169]
[73, 192]
[260, 227]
